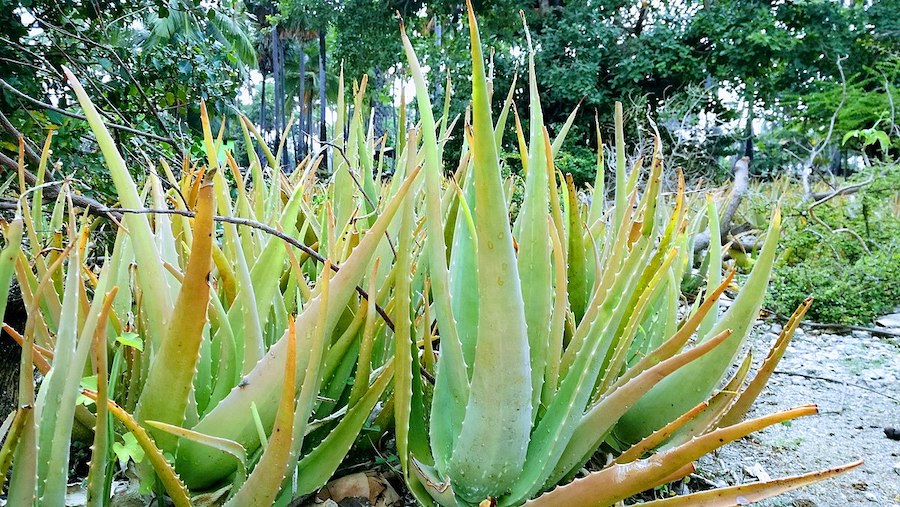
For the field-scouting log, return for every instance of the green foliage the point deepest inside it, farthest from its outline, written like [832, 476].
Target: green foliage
[850, 285]
[845, 292]
[580, 162]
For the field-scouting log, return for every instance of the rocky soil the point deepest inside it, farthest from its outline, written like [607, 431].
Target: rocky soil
[854, 378]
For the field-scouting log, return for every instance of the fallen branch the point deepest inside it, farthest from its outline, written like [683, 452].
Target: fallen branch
[835, 381]
[831, 195]
[872, 330]
[848, 190]
[738, 188]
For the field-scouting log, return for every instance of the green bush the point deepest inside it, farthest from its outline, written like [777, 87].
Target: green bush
[849, 284]
[580, 162]
[851, 293]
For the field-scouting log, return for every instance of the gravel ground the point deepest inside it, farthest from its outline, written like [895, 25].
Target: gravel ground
[860, 398]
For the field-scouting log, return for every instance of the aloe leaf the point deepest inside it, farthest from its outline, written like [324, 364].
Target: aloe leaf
[714, 258]
[746, 398]
[492, 444]
[343, 188]
[557, 323]
[533, 225]
[54, 415]
[451, 385]
[37, 200]
[500, 127]
[98, 472]
[744, 494]
[561, 136]
[165, 394]
[319, 465]
[202, 466]
[157, 300]
[265, 481]
[614, 483]
[426, 478]
[176, 490]
[364, 366]
[579, 286]
[599, 195]
[621, 191]
[405, 362]
[668, 399]
[464, 272]
[659, 436]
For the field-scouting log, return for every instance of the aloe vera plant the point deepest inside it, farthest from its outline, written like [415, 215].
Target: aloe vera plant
[559, 334]
[195, 328]
[227, 324]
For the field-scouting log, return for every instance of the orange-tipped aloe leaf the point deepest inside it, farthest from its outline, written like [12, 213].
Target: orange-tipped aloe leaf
[169, 382]
[745, 400]
[659, 436]
[164, 471]
[601, 417]
[607, 486]
[97, 474]
[265, 481]
[718, 406]
[745, 494]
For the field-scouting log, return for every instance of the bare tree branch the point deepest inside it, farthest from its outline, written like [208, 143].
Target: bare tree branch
[77, 116]
[807, 171]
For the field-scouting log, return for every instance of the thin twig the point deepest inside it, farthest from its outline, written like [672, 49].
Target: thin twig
[359, 186]
[262, 227]
[841, 191]
[835, 381]
[77, 116]
[816, 151]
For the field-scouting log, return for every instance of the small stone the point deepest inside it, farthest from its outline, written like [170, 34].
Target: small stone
[892, 320]
[769, 338]
[897, 468]
[775, 328]
[860, 334]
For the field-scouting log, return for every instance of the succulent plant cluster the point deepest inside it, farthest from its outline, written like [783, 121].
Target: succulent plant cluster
[247, 322]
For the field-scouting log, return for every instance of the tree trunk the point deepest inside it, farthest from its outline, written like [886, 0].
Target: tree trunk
[323, 127]
[278, 95]
[10, 352]
[262, 121]
[306, 136]
[380, 108]
[301, 96]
